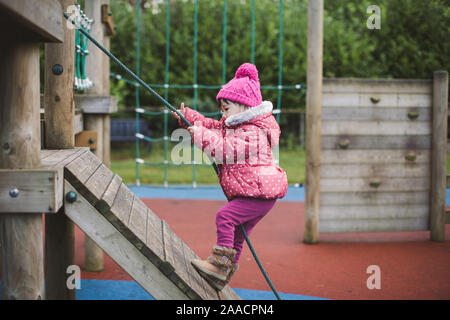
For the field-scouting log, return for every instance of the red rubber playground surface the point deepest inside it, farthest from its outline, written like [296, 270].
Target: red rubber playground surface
[412, 267]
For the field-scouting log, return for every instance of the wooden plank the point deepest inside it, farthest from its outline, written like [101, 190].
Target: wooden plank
[109, 195]
[154, 237]
[43, 18]
[60, 158]
[169, 263]
[377, 100]
[365, 142]
[57, 157]
[172, 256]
[82, 167]
[378, 128]
[374, 225]
[138, 221]
[121, 208]
[375, 114]
[98, 182]
[386, 157]
[366, 85]
[363, 184]
[198, 284]
[90, 103]
[374, 198]
[40, 190]
[358, 212]
[412, 170]
[181, 269]
[120, 249]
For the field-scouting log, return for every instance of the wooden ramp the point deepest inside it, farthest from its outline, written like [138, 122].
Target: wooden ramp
[129, 232]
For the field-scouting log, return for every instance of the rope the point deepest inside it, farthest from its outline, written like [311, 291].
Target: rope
[259, 263]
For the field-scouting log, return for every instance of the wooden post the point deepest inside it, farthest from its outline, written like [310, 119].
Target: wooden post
[59, 134]
[21, 235]
[313, 120]
[98, 71]
[439, 156]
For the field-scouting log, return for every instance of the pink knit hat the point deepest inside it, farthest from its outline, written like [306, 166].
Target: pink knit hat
[244, 87]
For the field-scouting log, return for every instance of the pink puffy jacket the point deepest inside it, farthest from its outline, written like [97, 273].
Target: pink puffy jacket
[241, 147]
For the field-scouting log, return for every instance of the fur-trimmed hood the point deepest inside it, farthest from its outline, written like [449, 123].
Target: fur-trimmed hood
[236, 119]
[260, 116]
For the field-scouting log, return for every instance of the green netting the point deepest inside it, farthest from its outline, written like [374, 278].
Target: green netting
[195, 86]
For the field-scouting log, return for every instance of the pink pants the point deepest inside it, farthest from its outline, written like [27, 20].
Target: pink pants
[245, 211]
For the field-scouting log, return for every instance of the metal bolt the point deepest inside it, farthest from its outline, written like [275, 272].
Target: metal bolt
[91, 140]
[109, 13]
[57, 69]
[14, 193]
[71, 197]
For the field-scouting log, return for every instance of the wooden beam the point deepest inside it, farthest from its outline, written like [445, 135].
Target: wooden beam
[42, 18]
[21, 233]
[91, 103]
[58, 90]
[439, 156]
[59, 134]
[38, 190]
[313, 120]
[367, 85]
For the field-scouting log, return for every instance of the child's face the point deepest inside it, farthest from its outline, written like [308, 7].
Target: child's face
[230, 108]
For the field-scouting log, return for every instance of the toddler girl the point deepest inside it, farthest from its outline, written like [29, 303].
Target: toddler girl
[240, 143]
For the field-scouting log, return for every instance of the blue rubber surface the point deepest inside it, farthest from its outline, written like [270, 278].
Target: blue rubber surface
[130, 290]
[201, 192]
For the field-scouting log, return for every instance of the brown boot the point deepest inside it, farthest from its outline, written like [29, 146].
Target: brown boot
[219, 284]
[217, 266]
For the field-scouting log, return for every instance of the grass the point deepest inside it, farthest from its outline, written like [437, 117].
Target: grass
[123, 163]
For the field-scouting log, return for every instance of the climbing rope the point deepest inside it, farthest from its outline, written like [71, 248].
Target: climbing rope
[168, 105]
